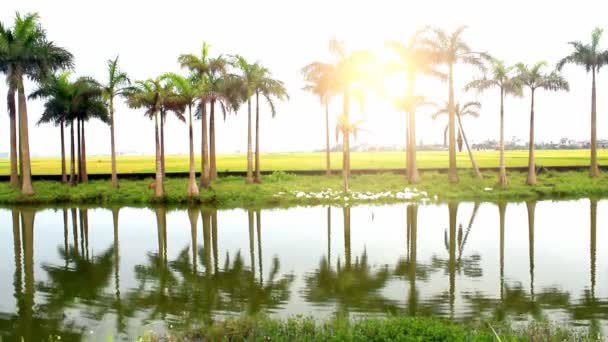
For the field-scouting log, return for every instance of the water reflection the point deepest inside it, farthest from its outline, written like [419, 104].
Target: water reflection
[460, 261]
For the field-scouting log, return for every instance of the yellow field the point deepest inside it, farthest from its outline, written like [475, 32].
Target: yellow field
[316, 161]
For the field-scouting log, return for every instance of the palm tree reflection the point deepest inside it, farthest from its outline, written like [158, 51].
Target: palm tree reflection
[354, 287]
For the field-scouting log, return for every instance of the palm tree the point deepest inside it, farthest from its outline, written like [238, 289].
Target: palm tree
[346, 128]
[410, 105]
[351, 68]
[593, 59]
[268, 87]
[201, 65]
[534, 78]
[57, 90]
[25, 52]
[88, 104]
[118, 85]
[186, 90]
[169, 102]
[250, 75]
[413, 60]
[451, 49]
[68, 102]
[468, 109]
[220, 91]
[320, 81]
[508, 84]
[147, 94]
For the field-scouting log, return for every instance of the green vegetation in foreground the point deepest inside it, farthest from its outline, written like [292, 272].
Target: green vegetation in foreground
[280, 189]
[316, 161]
[387, 329]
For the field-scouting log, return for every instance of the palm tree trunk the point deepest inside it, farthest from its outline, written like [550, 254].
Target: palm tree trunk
[12, 112]
[205, 151]
[79, 151]
[72, 157]
[85, 175]
[193, 218]
[347, 244]
[113, 146]
[251, 241]
[594, 170]
[162, 143]
[328, 236]
[453, 171]
[249, 178]
[593, 243]
[413, 253]
[159, 184]
[258, 225]
[327, 155]
[476, 172]
[502, 208]
[257, 176]
[212, 161]
[407, 145]
[502, 172]
[531, 162]
[453, 212]
[192, 188]
[64, 177]
[345, 147]
[414, 175]
[531, 206]
[26, 186]
[214, 240]
[206, 217]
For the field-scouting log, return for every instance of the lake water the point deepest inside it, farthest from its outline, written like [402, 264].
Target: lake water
[100, 272]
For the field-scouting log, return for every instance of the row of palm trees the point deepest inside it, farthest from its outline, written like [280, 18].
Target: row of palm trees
[435, 53]
[222, 81]
[230, 81]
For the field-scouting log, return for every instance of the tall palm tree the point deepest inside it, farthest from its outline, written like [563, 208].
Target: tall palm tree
[118, 84]
[58, 91]
[414, 60]
[320, 81]
[202, 65]
[592, 58]
[410, 104]
[250, 76]
[169, 102]
[25, 52]
[451, 49]
[269, 88]
[503, 79]
[534, 78]
[351, 69]
[67, 102]
[187, 91]
[467, 109]
[147, 94]
[220, 92]
[88, 104]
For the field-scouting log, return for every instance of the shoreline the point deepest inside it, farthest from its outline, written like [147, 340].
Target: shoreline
[281, 189]
[397, 328]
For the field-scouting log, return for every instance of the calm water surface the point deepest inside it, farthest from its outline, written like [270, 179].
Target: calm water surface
[96, 273]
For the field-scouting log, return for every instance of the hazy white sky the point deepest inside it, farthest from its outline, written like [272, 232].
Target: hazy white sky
[286, 35]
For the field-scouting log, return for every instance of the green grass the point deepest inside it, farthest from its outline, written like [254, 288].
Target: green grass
[372, 329]
[316, 161]
[280, 189]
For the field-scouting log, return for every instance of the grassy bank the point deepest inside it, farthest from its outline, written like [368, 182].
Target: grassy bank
[281, 189]
[388, 329]
[316, 161]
